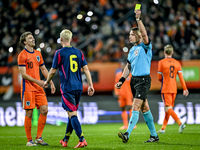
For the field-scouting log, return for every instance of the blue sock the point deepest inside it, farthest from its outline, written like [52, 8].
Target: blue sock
[69, 130]
[132, 122]
[77, 127]
[149, 121]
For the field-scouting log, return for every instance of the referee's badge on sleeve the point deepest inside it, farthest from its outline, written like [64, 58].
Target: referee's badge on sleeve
[136, 52]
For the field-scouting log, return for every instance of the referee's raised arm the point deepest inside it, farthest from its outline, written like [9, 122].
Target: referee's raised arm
[141, 26]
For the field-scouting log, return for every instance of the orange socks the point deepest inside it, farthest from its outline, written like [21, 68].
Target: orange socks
[169, 113]
[165, 121]
[124, 118]
[174, 116]
[27, 126]
[41, 124]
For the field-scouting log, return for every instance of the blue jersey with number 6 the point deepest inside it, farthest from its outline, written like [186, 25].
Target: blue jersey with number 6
[69, 60]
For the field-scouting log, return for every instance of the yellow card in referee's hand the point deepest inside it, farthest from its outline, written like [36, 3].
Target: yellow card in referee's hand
[137, 6]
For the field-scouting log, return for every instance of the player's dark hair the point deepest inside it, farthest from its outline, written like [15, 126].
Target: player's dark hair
[23, 37]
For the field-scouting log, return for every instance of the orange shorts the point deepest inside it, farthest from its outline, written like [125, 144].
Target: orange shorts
[33, 98]
[124, 101]
[168, 98]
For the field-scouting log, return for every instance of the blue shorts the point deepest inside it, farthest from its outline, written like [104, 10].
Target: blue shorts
[70, 100]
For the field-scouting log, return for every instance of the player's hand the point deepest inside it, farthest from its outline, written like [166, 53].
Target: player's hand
[90, 91]
[118, 85]
[40, 83]
[45, 85]
[137, 13]
[53, 88]
[185, 93]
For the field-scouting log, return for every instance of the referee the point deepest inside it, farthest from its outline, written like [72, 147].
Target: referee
[139, 63]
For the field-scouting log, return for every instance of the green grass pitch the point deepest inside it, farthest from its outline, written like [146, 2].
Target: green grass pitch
[104, 137]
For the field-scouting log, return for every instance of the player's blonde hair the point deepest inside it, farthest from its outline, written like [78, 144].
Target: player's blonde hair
[66, 35]
[168, 49]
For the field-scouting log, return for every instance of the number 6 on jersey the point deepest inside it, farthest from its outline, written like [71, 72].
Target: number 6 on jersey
[73, 63]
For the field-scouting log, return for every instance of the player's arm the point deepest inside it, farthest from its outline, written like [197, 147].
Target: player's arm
[185, 90]
[89, 80]
[160, 77]
[45, 73]
[51, 74]
[141, 26]
[126, 70]
[116, 91]
[25, 76]
[125, 74]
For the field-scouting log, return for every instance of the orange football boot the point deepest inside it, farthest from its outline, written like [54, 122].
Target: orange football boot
[81, 144]
[64, 144]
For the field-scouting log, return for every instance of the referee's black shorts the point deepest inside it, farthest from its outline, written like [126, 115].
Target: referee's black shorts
[140, 86]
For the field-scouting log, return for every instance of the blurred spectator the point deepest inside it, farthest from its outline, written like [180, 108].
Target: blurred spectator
[169, 22]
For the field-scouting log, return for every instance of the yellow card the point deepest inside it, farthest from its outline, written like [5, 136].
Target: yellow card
[137, 6]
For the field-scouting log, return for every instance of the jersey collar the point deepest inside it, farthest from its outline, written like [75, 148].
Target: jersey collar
[29, 51]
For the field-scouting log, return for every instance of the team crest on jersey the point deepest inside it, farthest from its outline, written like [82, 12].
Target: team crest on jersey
[28, 103]
[136, 52]
[38, 58]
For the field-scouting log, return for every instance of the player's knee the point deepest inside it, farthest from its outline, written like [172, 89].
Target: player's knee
[136, 108]
[128, 108]
[29, 113]
[123, 108]
[167, 108]
[44, 112]
[144, 110]
[73, 113]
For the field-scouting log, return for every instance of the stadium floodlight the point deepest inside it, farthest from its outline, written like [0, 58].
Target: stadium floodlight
[90, 13]
[125, 49]
[42, 45]
[58, 40]
[94, 26]
[87, 19]
[79, 16]
[10, 49]
[156, 1]
[48, 49]
[37, 31]
[38, 49]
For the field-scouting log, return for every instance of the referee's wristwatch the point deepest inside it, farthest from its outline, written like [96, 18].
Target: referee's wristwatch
[138, 19]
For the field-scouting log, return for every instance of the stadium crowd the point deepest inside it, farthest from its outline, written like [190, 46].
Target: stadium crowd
[100, 28]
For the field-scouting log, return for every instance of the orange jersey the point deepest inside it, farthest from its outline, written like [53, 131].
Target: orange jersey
[125, 90]
[168, 68]
[32, 61]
